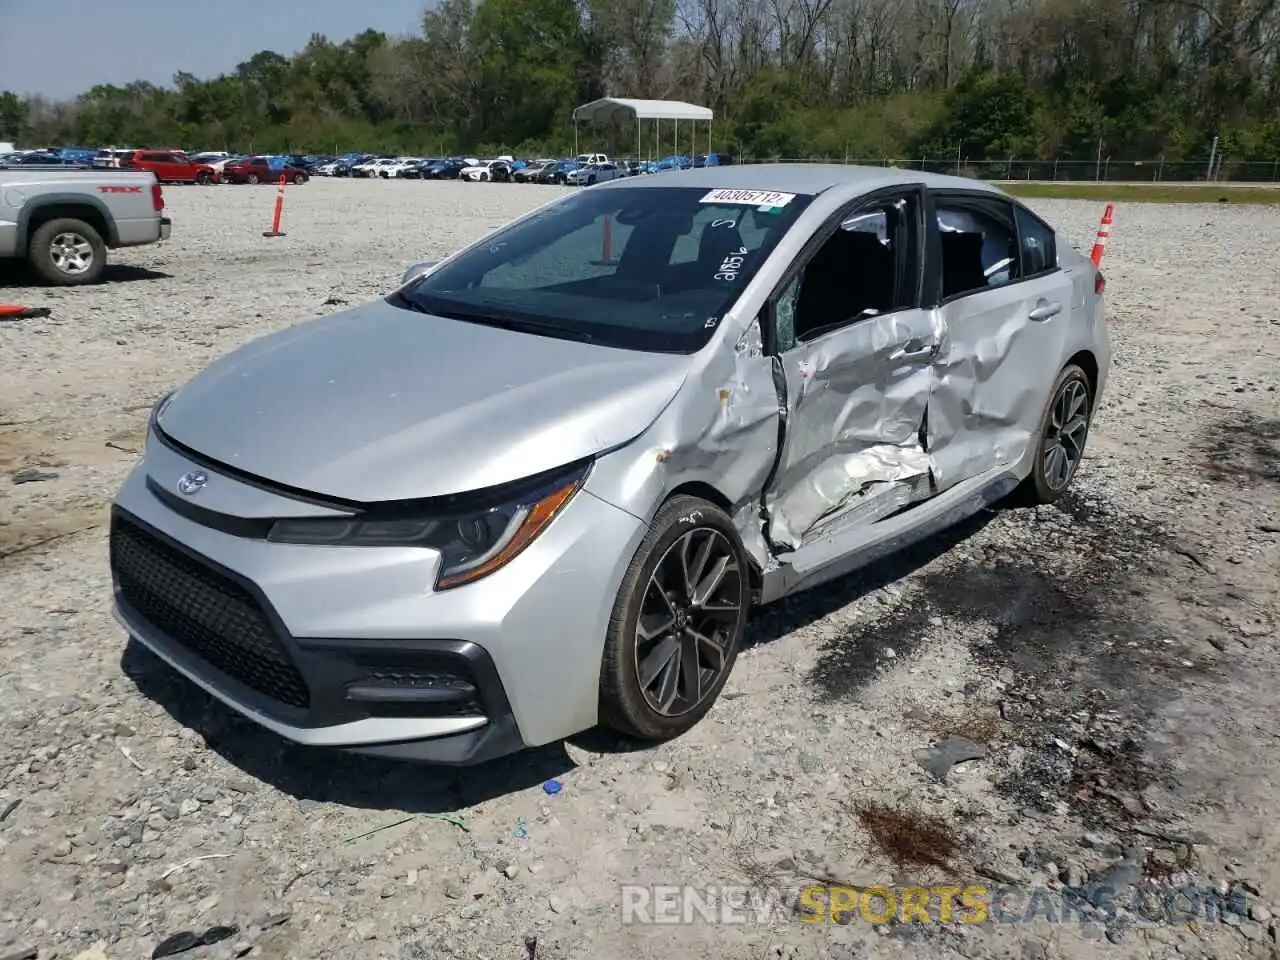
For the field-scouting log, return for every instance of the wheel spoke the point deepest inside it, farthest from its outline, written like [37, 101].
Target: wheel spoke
[1071, 447]
[1073, 426]
[723, 612]
[657, 660]
[690, 668]
[709, 584]
[705, 644]
[1063, 464]
[669, 686]
[1052, 458]
[654, 625]
[695, 567]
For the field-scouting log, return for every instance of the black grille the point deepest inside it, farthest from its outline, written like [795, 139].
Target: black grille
[204, 611]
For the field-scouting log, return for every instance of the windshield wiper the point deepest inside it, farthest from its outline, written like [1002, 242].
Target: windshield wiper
[501, 320]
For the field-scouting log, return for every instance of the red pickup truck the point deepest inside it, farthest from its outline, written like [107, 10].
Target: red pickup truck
[170, 166]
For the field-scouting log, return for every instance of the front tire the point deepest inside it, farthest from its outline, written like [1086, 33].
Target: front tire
[67, 253]
[1060, 442]
[299, 179]
[204, 178]
[251, 178]
[677, 623]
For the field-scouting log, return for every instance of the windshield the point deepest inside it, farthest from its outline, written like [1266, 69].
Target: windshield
[643, 268]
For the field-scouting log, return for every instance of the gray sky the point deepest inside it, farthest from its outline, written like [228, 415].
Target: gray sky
[60, 48]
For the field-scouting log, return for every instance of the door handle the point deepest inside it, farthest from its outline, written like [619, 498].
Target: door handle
[914, 350]
[1045, 309]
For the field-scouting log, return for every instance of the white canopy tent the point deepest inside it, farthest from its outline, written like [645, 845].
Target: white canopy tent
[612, 110]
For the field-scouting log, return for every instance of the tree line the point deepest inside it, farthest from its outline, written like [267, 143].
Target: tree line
[972, 80]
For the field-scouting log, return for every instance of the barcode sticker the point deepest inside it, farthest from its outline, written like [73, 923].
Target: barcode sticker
[764, 199]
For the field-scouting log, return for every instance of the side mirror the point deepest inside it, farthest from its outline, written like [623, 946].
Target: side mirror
[417, 270]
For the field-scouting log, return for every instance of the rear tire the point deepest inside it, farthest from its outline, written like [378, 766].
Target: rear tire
[299, 179]
[67, 253]
[1060, 441]
[690, 631]
[251, 178]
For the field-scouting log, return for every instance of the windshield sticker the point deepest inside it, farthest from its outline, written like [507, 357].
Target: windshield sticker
[731, 265]
[766, 201]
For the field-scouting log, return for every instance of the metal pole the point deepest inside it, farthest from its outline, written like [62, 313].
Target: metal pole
[637, 139]
[575, 136]
[1213, 154]
[1097, 168]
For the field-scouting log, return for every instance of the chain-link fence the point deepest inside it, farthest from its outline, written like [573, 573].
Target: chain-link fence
[1225, 170]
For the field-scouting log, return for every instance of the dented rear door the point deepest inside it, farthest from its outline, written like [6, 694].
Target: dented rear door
[1006, 334]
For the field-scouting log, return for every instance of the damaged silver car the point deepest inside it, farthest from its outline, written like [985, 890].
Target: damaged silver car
[540, 485]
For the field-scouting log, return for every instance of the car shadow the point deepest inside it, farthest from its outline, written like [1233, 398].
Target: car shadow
[126, 273]
[15, 273]
[332, 776]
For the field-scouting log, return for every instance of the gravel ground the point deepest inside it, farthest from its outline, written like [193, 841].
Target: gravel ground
[1113, 658]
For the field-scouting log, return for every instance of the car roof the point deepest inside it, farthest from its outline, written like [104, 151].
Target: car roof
[802, 178]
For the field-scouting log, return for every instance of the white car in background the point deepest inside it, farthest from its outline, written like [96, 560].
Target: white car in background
[593, 173]
[111, 158]
[373, 168]
[396, 167]
[486, 170]
[216, 159]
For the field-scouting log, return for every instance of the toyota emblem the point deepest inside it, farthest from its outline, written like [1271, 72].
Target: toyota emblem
[189, 484]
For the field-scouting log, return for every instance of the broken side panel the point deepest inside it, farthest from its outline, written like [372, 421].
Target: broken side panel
[856, 402]
[720, 430]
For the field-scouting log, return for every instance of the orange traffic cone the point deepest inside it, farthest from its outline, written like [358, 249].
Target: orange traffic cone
[1104, 233]
[16, 311]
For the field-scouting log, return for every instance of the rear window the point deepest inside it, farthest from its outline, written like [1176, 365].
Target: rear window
[645, 268]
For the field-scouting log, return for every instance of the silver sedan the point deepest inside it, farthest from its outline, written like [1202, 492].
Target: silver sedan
[541, 484]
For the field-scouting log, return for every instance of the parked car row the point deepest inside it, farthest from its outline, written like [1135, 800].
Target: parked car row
[210, 167]
[583, 170]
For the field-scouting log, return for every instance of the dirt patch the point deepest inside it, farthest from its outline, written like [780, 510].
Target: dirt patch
[909, 838]
[1242, 447]
[1053, 601]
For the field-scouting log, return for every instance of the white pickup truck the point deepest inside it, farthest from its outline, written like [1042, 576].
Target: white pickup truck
[63, 220]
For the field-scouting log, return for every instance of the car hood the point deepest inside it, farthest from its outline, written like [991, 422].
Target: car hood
[381, 403]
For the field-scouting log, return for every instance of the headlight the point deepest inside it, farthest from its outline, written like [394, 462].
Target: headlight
[473, 542]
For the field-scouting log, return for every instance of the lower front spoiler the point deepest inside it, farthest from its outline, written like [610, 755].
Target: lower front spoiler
[456, 741]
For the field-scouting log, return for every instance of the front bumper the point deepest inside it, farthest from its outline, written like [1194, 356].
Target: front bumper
[349, 648]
